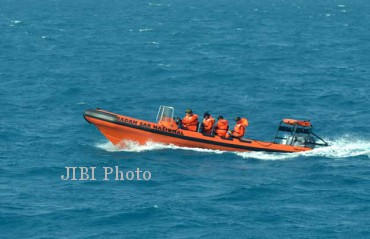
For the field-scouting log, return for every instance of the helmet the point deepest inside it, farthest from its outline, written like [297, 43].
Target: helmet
[237, 118]
[188, 111]
[220, 117]
[206, 114]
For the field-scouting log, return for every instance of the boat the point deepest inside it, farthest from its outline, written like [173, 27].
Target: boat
[291, 136]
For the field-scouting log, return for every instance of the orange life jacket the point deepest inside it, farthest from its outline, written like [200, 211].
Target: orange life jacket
[222, 127]
[239, 129]
[208, 125]
[244, 122]
[190, 122]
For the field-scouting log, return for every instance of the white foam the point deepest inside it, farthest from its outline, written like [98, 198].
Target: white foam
[267, 156]
[16, 21]
[165, 65]
[341, 5]
[343, 147]
[145, 29]
[132, 146]
[155, 4]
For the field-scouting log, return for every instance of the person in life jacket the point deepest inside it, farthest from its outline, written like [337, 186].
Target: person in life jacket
[222, 126]
[208, 123]
[190, 121]
[239, 129]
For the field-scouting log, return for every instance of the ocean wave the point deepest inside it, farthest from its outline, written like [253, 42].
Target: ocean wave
[145, 29]
[16, 21]
[343, 147]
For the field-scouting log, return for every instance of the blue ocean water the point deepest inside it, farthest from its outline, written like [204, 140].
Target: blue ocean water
[262, 59]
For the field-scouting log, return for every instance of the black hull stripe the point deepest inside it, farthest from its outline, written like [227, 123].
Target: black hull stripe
[112, 119]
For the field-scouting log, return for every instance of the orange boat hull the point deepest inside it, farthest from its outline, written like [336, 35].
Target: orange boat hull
[118, 128]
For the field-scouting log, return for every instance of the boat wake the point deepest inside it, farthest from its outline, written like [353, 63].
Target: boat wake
[343, 147]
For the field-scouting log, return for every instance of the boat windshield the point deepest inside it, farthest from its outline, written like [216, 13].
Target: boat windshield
[165, 116]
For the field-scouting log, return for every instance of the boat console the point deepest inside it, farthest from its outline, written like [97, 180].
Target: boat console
[298, 133]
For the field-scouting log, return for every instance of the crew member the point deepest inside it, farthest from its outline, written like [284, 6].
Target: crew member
[222, 126]
[190, 121]
[239, 129]
[208, 123]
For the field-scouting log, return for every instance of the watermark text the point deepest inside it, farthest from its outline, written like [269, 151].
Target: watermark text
[105, 174]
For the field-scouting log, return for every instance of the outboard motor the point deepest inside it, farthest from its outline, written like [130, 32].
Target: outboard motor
[301, 140]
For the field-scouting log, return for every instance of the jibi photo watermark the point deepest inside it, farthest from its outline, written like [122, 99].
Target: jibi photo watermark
[104, 174]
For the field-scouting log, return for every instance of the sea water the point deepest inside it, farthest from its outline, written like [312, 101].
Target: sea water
[264, 60]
